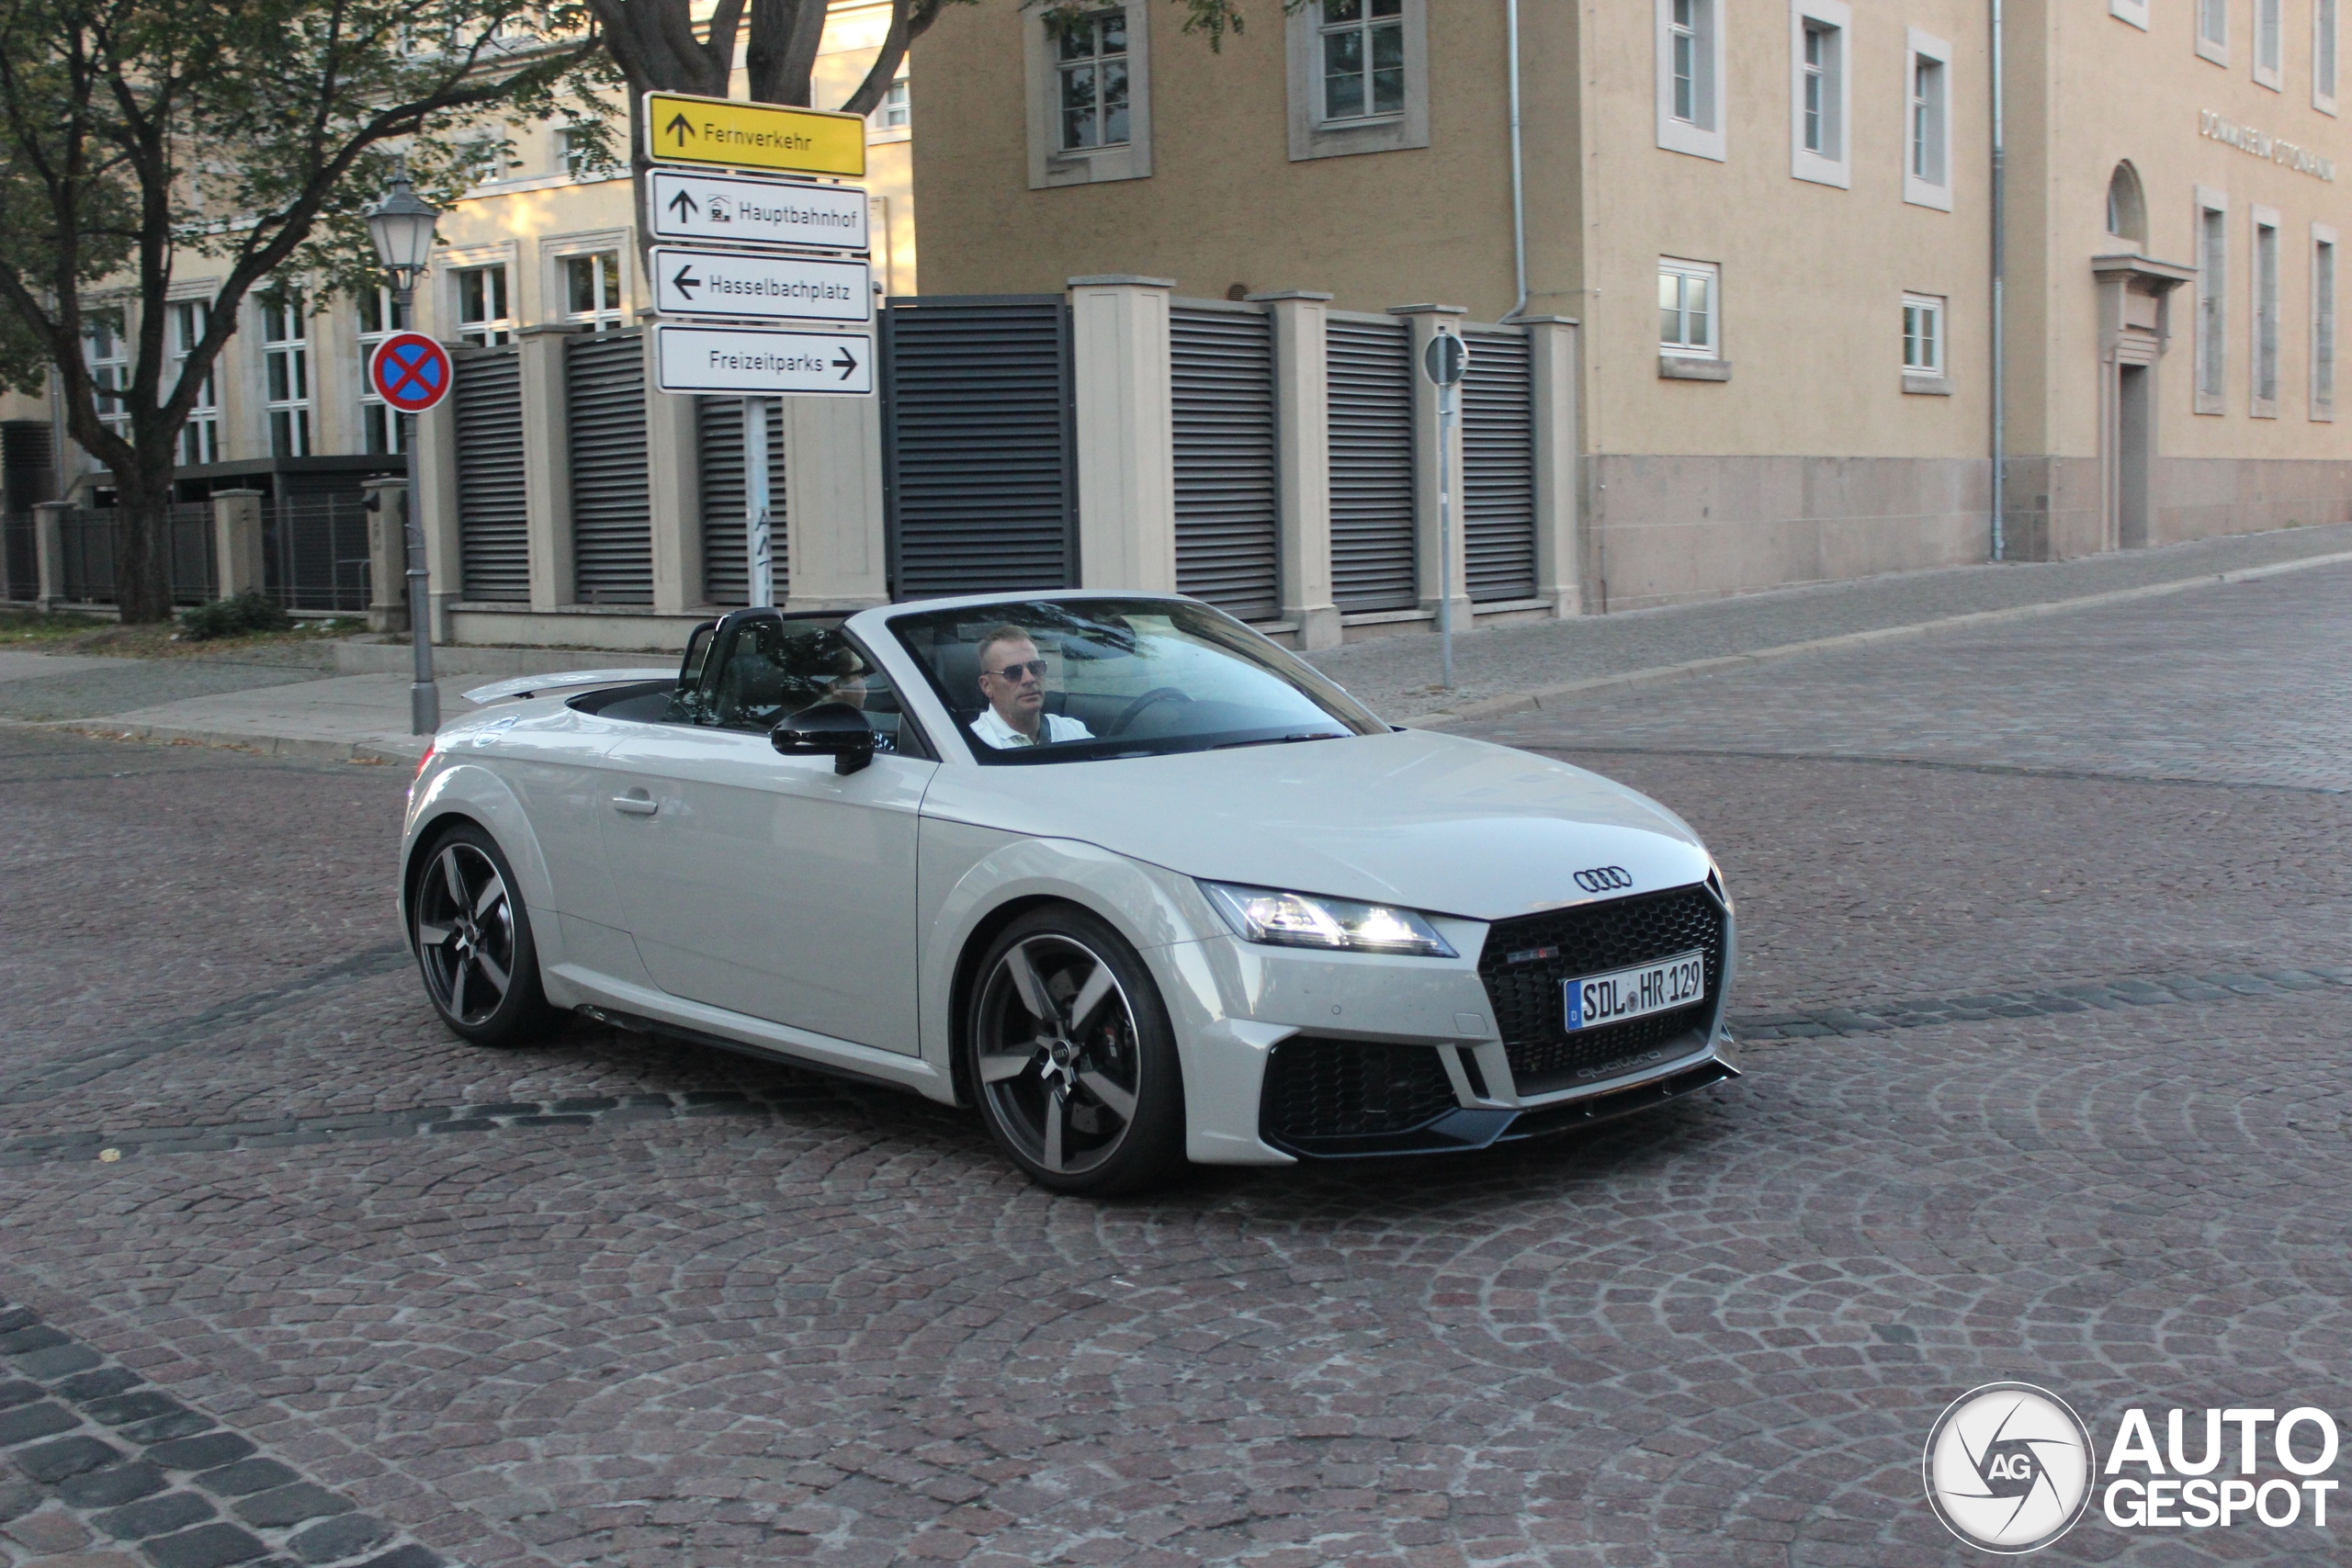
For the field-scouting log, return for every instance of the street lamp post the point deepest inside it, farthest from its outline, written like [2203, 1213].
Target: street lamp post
[401, 226]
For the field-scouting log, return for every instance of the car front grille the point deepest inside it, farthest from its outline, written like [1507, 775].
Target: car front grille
[1527, 958]
[1320, 1090]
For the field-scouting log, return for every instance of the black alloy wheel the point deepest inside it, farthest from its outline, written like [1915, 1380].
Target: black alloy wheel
[473, 942]
[1071, 1056]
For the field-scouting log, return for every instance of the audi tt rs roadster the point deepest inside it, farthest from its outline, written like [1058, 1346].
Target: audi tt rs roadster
[1132, 881]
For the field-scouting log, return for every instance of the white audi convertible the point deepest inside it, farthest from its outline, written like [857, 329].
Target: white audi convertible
[1133, 880]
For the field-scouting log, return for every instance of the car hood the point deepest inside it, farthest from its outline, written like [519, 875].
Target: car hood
[1435, 822]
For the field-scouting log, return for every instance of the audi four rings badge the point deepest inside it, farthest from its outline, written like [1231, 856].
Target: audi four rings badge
[1602, 878]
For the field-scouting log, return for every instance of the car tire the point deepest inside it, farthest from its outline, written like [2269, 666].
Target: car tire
[1068, 1051]
[471, 935]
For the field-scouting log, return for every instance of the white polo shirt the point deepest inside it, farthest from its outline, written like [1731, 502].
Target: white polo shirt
[990, 726]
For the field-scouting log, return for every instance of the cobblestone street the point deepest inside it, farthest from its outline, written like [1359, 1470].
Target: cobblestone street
[2046, 939]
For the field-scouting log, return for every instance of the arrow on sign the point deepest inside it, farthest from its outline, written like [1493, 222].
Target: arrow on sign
[848, 362]
[683, 284]
[680, 127]
[684, 206]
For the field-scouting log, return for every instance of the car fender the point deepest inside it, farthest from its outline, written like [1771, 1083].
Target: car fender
[970, 873]
[471, 790]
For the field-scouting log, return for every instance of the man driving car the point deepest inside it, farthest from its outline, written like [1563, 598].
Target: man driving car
[1013, 679]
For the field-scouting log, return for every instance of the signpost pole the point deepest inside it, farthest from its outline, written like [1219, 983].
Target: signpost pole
[424, 695]
[758, 505]
[1445, 529]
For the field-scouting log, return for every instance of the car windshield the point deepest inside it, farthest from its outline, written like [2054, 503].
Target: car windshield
[1075, 680]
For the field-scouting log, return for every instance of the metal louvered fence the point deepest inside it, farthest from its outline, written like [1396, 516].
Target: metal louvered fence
[1373, 545]
[1221, 383]
[725, 545]
[493, 535]
[1497, 467]
[612, 501]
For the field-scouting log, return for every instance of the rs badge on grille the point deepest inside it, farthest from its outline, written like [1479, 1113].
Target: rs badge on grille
[1602, 878]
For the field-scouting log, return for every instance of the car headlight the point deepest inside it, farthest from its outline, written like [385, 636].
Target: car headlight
[1302, 919]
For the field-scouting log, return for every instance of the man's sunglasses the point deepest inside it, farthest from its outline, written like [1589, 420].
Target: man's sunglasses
[1016, 671]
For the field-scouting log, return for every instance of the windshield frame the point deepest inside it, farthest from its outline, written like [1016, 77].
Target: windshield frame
[1220, 630]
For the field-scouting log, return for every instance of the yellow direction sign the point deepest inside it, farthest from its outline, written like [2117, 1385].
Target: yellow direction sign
[681, 129]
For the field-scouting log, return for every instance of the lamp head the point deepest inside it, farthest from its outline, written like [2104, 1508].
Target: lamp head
[401, 226]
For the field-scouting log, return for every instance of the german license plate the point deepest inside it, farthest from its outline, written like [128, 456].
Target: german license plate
[1622, 993]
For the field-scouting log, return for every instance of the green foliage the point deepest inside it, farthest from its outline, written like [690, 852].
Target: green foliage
[1211, 19]
[250, 612]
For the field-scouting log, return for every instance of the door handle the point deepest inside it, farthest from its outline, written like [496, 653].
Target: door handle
[635, 806]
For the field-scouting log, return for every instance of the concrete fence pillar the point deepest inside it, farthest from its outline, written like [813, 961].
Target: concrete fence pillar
[1302, 462]
[673, 489]
[835, 535]
[1427, 322]
[48, 550]
[387, 507]
[1552, 343]
[436, 433]
[237, 542]
[547, 466]
[1127, 434]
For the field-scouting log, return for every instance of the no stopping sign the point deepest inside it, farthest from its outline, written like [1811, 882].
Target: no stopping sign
[409, 371]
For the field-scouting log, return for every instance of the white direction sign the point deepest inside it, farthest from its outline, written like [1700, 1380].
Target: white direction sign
[757, 287]
[762, 361]
[743, 211]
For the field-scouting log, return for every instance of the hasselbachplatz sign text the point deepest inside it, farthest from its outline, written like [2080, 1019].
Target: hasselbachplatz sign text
[720, 132]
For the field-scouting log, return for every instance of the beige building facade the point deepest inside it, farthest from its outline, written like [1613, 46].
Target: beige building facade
[1773, 220]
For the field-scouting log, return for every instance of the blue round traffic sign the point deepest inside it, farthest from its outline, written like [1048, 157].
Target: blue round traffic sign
[409, 371]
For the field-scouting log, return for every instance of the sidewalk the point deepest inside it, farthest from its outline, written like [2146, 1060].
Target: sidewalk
[286, 711]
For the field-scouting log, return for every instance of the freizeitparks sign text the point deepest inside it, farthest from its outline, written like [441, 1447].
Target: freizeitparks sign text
[2262, 145]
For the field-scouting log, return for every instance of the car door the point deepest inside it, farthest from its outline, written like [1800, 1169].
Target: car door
[764, 884]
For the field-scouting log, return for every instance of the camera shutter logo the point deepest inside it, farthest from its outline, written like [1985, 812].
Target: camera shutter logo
[2008, 1468]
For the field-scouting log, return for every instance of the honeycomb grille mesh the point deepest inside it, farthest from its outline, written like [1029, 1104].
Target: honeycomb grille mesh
[1530, 1013]
[1341, 1088]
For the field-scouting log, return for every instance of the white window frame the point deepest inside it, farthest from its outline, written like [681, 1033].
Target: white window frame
[384, 438]
[2263, 292]
[2132, 11]
[1713, 272]
[1938, 308]
[185, 321]
[608, 316]
[1701, 134]
[1917, 190]
[488, 331]
[109, 373]
[1049, 162]
[293, 413]
[1314, 136]
[2328, 42]
[2212, 326]
[2212, 45]
[898, 100]
[2326, 284]
[2269, 48]
[1834, 22]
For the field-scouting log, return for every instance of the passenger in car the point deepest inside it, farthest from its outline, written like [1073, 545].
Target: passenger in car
[1012, 678]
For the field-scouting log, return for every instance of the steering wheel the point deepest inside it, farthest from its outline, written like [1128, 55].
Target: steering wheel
[1157, 694]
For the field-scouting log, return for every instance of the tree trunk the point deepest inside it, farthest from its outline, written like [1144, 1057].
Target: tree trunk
[142, 555]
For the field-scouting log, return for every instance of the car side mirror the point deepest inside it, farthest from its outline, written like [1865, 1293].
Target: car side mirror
[834, 729]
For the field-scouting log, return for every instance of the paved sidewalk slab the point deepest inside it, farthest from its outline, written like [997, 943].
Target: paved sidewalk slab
[349, 717]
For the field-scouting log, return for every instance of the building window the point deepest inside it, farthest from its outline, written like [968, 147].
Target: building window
[1923, 335]
[2213, 30]
[2127, 207]
[106, 349]
[1364, 57]
[592, 291]
[571, 155]
[2323, 322]
[2213, 316]
[483, 318]
[2265, 313]
[1690, 71]
[2132, 11]
[2269, 69]
[200, 437]
[894, 112]
[379, 314]
[1819, 96]
[1095, 82]
[1926, 172]
[1687, 310]
[2324, 56]
[286, 372]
